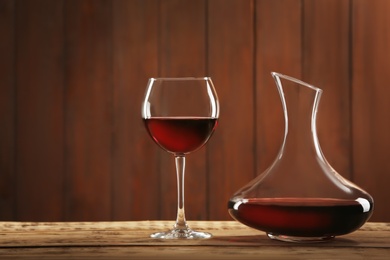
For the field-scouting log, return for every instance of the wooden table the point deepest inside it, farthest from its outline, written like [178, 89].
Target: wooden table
[130, 240]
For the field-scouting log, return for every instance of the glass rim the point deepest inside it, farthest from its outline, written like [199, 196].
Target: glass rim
[180, 78]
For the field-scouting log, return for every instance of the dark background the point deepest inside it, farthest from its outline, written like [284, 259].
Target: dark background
[73, 74]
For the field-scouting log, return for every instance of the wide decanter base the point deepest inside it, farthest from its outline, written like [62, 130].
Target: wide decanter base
[181, 234]
[297, 239]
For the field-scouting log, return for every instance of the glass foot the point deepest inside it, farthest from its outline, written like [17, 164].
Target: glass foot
[300, 239]
[181, 234]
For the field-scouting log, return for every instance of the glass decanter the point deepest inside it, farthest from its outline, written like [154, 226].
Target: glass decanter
[300, 197]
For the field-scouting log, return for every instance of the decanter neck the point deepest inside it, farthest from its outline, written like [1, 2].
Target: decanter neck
[300, 104]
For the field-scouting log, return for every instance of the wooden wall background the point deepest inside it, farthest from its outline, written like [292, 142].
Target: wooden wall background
[73, 75]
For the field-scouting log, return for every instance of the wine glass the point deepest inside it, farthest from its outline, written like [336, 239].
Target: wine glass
[180, 114]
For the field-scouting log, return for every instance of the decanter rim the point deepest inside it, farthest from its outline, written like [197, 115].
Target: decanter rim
[280, 75]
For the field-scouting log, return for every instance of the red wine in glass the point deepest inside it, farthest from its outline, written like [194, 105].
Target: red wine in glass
[180, 135]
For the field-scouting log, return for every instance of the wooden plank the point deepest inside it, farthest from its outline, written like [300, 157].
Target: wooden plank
[7, 110]
[326, 65]
[135, 155]
[231, 64]
[370, 104]
[88, 97]
[136, 233]
[278, 48]
[182, 47]
[298, 44]
[199, 252]
[39, 108]
[91, 140]
[231, 240]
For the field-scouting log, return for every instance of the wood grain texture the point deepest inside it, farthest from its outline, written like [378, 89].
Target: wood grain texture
[117, 240]
[370, 105]
[198, 252]
[230, 64]
[278, 49]
[326, 65]
[135, 156]
[39, 110]
[73, 75]
[136, 233]
[88, 115]
[7, 109]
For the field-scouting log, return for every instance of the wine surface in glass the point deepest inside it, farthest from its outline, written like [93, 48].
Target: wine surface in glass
[305, 217]
[180, 135]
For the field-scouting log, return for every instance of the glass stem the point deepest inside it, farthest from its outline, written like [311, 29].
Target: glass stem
[180, 162]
